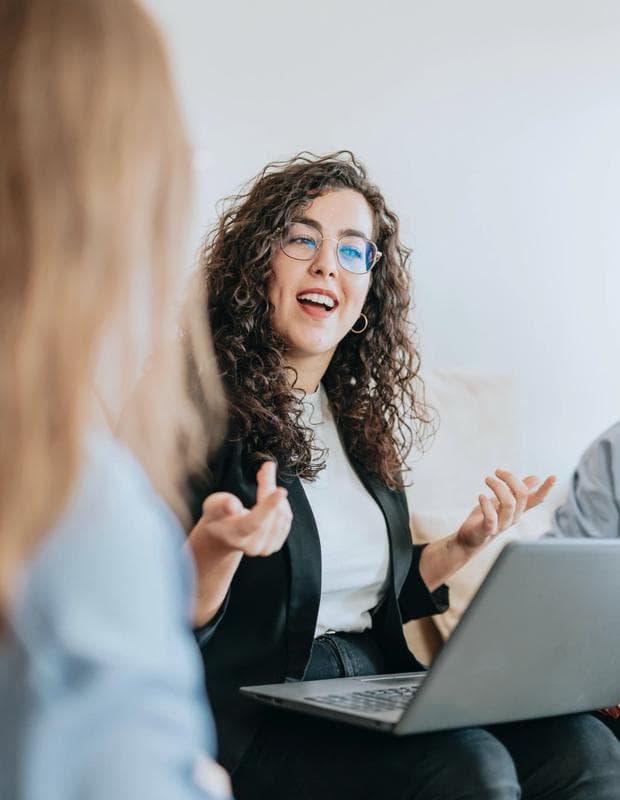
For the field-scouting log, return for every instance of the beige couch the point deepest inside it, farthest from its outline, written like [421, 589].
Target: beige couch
[478, 432]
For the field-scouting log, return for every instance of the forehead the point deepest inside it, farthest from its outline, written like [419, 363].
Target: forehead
[340, 210]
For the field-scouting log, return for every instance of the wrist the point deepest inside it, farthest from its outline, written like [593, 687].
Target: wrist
[212, 585]
[216, 563]
[207, 549]
[462, 552]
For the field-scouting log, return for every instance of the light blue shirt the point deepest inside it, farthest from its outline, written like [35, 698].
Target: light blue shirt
[101, 682]
[592, 508]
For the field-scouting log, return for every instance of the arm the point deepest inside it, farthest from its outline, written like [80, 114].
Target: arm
[592, 508]
[227, 531]
[416, 600]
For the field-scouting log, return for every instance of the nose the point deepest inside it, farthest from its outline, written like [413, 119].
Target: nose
[326, 261]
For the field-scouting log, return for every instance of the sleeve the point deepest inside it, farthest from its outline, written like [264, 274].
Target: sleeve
[205, 632]
[592, 507]
[120, 710]
[199, 488]
[415, 600]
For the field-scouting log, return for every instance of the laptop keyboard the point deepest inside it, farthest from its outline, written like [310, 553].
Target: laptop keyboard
[371, 700]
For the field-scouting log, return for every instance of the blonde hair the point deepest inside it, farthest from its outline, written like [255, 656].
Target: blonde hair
[94, 194]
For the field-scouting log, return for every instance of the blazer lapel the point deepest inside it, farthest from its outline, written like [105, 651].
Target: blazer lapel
[304, 552]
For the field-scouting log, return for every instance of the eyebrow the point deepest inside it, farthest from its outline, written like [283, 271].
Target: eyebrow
[313, 223]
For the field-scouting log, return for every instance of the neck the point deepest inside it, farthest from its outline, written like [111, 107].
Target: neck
[310, 370]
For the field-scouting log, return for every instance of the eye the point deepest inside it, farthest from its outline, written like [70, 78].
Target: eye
[350, 251]
[304, 241]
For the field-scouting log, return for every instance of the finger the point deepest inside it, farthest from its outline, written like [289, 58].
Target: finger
[507, 502]
[261, 515]
[219, 505]
[272, 532]
[490, 517]
[284, 519]
[518, 488]
[273, 544]
[541, 493]
[237, 533]
[275, 529]
[265, 480]
[269, 539]
[253, 531]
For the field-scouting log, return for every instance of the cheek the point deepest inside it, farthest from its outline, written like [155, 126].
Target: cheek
[272, 290]
[273, 293]
[277, 294]
[357, 296]
[277, 282]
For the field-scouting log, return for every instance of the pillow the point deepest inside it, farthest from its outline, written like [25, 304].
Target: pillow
[479, 431]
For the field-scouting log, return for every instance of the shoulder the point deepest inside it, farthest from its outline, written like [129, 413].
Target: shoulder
[603, 452]
[115, 501]
[116, 548]
[610, 437]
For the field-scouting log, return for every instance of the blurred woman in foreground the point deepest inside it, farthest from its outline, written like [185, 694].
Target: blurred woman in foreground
[100, 683]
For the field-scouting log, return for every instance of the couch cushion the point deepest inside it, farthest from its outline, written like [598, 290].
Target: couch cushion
[478, 432]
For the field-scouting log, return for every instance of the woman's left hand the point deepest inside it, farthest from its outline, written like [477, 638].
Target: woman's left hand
[511, 498]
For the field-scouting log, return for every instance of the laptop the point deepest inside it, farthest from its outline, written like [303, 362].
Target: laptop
[541, 638]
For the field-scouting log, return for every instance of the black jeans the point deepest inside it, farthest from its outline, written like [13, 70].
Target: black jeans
[297, 756]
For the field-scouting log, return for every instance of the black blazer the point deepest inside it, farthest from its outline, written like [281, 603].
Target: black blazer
[263, 632]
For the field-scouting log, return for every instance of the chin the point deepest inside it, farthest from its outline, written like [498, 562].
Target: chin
[312, 348]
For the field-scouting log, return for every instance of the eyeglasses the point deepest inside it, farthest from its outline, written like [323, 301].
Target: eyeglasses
[355, 253]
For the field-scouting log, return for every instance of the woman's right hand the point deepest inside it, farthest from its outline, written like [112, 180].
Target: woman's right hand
[227, 531]
[259, 531]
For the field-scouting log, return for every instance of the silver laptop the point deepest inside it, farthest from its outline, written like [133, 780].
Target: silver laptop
[540, 638]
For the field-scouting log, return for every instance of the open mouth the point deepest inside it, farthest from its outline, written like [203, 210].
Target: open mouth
[317, 304]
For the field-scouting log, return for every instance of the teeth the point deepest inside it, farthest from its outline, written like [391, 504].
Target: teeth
[322, 299]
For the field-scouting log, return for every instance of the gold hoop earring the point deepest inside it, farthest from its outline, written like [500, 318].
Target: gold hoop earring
[363, 328]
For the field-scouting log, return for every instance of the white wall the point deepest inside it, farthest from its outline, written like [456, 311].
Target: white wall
[493, 127]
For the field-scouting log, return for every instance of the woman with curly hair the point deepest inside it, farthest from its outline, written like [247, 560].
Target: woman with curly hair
[309, 305]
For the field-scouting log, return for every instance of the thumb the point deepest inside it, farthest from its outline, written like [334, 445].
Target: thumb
[220, 505]
[265, 480]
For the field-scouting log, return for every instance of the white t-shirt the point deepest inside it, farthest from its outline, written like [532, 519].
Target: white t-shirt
[355, 551]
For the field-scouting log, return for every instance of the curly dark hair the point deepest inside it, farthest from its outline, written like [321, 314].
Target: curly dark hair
[372, 382]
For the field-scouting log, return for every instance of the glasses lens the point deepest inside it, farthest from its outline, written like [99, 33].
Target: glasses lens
[356, 254]
[301, 242]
